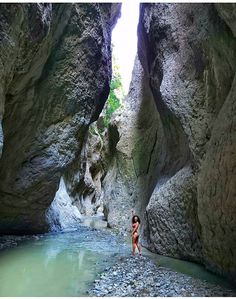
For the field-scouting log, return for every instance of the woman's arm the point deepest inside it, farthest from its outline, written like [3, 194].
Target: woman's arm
[132, 212]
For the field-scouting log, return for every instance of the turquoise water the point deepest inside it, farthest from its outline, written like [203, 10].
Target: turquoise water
[64, 264]
[192, 269]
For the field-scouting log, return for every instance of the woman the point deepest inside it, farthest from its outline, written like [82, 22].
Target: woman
[135, 234]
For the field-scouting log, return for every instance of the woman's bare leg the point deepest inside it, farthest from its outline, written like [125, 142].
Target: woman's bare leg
[134, 244]
[138, 244]
[133, 248]
[139, 247]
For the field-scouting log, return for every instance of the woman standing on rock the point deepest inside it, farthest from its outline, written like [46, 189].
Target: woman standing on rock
[135, 234]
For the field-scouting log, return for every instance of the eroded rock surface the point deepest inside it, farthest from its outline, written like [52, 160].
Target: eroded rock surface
[169, 152]
[134, 153]
[62, 214]
[188, 53]
[55, 75]
[83, 179]
[170, 212]
[173, 144]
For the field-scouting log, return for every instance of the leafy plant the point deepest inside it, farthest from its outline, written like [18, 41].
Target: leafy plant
[116, 94]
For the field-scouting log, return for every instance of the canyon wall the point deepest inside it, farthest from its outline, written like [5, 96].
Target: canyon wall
[55, 75]
[188, 54]
[170, 150]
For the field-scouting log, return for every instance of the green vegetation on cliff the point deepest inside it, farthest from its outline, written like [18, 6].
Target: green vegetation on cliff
[116, 93]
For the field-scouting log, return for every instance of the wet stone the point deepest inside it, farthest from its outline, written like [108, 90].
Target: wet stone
[139, 276]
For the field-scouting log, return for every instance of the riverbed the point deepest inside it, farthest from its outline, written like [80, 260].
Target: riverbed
[68, 263]
[56, 264]
[140, 276]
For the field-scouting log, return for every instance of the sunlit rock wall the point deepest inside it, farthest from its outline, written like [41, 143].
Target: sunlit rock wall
[62, 214]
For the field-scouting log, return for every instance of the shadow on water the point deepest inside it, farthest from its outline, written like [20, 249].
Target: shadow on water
[190, 268]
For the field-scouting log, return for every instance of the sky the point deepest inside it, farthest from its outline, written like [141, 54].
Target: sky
[124, 39]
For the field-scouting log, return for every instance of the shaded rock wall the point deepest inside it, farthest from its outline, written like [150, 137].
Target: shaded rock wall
[83, 179]
[188, 53]
[115, 171]
[171, 148]
[55, 73]
[217, 178]
[134, 152]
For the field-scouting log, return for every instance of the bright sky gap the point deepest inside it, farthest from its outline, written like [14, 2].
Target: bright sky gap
[124, 39]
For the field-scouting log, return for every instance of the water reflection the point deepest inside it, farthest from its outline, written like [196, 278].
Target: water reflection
[66, 264]
[57, 264]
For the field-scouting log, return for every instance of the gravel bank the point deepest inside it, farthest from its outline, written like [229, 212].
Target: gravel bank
[139, 276]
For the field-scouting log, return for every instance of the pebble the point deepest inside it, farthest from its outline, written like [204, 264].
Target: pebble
[139, 276]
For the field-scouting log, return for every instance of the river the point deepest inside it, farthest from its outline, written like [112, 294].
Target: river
[66, 264]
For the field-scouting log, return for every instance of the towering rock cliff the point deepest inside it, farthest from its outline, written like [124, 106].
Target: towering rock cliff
[169, 152]
[55, 74]
[171, 148]
[188, 54]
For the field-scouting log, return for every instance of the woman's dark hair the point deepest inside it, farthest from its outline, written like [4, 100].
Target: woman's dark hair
[134, 217]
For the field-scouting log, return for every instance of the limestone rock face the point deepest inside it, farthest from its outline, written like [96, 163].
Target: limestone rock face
[134, 152]
[171, 147]
[62, 214]
[170, 212]
[116, 169]
[188, 54]
[217, 190]
[83, 179]
[55, 73]
[228, 13]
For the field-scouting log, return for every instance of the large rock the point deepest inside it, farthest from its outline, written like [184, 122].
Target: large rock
[55, 74]
[62, 214]
[217, 191]
[189, 55]
[170, 214]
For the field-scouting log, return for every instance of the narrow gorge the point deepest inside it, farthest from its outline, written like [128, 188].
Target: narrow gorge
[167, 150]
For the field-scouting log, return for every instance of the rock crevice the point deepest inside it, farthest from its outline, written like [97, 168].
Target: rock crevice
[174, 161]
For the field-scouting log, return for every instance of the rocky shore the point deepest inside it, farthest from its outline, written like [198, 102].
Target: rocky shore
[9, 241]
[139, 276]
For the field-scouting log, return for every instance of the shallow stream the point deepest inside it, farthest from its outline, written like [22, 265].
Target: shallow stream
[59, 264]
[66, 264]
